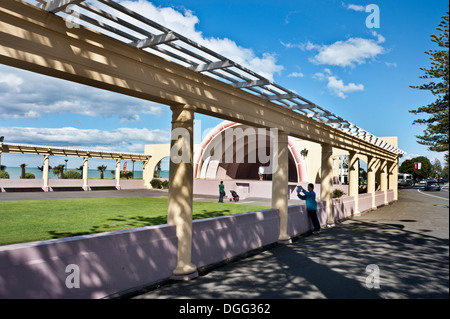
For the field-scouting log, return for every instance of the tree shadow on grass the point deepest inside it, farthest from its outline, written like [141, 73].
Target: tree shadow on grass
[121, 222]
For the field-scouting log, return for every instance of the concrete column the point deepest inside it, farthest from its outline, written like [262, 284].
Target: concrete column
[85, 173]
[372, 166]
[280, 179]
[353, 176]
[383, 179]
[326, 180]
[46, 164]
[181, 185]
[118, 173]
[146, 174]
[393, 177]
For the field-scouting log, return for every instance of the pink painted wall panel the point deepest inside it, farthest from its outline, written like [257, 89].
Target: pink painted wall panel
[390, 195]
[216, 239]
[364, 202]
[379, 198]
[108, 263]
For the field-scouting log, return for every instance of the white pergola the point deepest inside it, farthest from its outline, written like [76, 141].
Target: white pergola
[48, 151]
[115, 20]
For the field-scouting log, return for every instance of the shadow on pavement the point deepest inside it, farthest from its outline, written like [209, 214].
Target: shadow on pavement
[331, 265]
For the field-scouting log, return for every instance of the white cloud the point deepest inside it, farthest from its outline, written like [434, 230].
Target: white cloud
[347, 53]
[356, 7]
[391, 64]
[337, 86]
[380, 38]
[11, 81]
[343, 53]
[124, 138]
[31, 96]
[296, 75]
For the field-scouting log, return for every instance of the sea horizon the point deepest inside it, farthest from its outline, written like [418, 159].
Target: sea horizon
[15, 173]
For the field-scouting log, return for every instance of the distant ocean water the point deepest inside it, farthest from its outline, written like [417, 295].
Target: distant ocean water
[15, 172]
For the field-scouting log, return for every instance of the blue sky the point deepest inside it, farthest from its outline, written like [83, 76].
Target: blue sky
[323, 50]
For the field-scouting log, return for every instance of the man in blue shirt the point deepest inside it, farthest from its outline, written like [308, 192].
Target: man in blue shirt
[311, 205]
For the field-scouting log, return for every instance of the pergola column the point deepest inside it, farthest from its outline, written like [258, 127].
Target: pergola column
[85, 173]
[181, 184]
[392, 168]
[372, 166]
[45, 170]
[353, 176]
[326, 180]
[147, 175]
[280, 179]
[118, 173]
[383, 179]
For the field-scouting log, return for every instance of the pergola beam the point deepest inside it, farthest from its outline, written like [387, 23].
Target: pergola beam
[212, 66]
[248, 84]
[71, 152]
[156, 40]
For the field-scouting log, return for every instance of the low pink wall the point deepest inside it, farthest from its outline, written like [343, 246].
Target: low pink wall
[217, 239]
[251, 188]
[364, 202]
[61, 183]
[108, 263]
[379, 199]
[299, 221]
[95, 182]
[390, 195]
[53, 182]
[20, 183]
[343, 207]
[131, 183]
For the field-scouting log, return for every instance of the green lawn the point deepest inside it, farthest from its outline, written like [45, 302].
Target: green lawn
[22, 221]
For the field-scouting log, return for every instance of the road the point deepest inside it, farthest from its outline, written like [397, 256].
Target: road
[443, 193]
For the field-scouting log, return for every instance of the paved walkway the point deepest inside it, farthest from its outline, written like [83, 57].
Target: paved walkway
[408, 242]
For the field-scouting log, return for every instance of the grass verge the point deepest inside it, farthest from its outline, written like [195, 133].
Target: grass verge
[31, 220]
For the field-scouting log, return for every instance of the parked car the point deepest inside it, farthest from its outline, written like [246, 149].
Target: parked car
[432, 185]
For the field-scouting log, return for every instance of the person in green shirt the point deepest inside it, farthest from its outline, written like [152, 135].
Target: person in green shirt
[221, 192]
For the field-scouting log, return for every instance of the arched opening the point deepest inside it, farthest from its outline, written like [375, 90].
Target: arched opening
[240, 152]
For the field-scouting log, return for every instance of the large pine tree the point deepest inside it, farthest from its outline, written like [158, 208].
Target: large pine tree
[436, 135]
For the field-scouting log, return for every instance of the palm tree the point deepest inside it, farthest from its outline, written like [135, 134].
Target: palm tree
[80, 169]
[22, 166]
[41, 168]
[59, 170]
[101, 169]
[157, 170]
